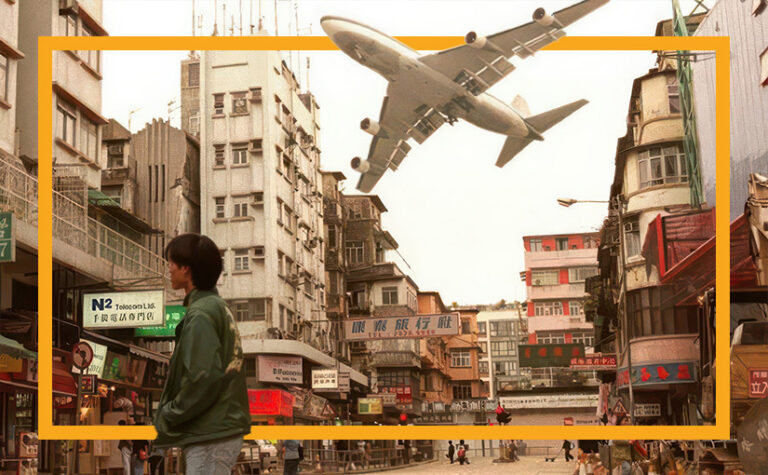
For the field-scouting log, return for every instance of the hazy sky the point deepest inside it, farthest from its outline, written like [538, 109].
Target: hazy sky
[458, 218]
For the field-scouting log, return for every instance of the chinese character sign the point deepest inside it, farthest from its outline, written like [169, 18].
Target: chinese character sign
[124, 309]
[7, 241]
[413, 326]
[594, 361]
[666, 373]
[758, 383]
[544, 356]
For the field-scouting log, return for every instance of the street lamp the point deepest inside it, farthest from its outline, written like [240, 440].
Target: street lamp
[618, 204]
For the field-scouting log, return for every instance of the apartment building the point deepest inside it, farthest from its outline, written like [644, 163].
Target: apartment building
[502, 332]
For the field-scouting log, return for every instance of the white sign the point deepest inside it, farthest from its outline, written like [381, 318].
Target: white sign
[388, 399]
[124, 309]
[325, 379]
[280, 369]
[414, 326]
[647, 410]
[97, 364]
[550, 400]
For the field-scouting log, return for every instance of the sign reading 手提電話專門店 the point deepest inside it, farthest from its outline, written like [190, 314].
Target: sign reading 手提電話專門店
[413, 326]
[124, 309]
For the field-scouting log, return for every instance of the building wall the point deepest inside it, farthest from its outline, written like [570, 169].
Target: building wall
[749, 99]
[9, 33]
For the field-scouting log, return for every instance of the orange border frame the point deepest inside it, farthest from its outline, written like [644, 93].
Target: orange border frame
[721, 47]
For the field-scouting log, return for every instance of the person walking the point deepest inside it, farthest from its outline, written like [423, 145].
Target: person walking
[138, 456]
[451, 451]
[291, 457]
[464, 449]
[204, 405]
[156, 460]
[567, 446]
[125, 448]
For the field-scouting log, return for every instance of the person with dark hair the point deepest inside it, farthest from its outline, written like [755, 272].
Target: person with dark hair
[451, 451]
[204, 405]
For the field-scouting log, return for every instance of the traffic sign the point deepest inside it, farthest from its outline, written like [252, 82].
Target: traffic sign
[619, 408]
[82, 355]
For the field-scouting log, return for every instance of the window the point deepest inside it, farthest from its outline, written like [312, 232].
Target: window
[239, 104]
[256, 146]
[503, 348]
[586, 338]
[658, 166]
[89, 57]
[113, 192]
[332, 236]
[544, 309]
[194, 74]
[580, 274]
[483, 367]
[503, 328]
[218, 104]
[481, 326]
[545, 277]
[218, 154]
[535, 245]
[280, 264]
[483, 346]
[355, 252]
[673, 94]
[239, 153]
[355, 211]
[465, 324]
[250, 367]
[241, 259]
[650, 314]
[65, 127]
[504, 368]
[258, 252]
[194, 123]
[632, 238]
[462, 391]
[389, 296]
[250, 310]
[256, 94]
[547, 339]
[358, 299]
[287, 169]
[69, 25]
[88, 137]
[461, 359]
[115, 156]
[241, 311]
[4, 68]
[240, 206]
[561, 244]
[219, 207]
[574, 307]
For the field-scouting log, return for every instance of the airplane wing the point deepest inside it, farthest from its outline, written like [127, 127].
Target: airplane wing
[401, 117]
[479, 68]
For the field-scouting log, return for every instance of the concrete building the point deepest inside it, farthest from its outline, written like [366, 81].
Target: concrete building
[746, 23]
[556, 267]
[76, 88]
[262, 203]
[504, 330]
[10, 58]
[435, 360]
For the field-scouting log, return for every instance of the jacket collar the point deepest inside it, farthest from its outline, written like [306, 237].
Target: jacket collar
[197, 294]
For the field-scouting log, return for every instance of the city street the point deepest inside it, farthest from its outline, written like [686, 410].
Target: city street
[531, 465]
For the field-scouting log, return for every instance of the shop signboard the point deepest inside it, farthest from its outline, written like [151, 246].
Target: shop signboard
[28, 445]
[133, 309]
[647, 410]
[369, 406]
[325, 379]
[31, 370]
[758, 383]
[343, 387]
[403, 394]
[88, 384]
[472, 405]
[413, 326]
[280, 369]
[665, 373]
[7, 238]
[9, 364]
[550, 355]
[97, 363]
[270, 402]
[568, 421]
[116, 367]
[546, 401]
[173, 316]
[594, 362]
[387, 399]
[315, 406]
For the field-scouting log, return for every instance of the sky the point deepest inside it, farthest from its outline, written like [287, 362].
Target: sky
[459, 220]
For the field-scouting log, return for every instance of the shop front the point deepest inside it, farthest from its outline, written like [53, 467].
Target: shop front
[18, 390]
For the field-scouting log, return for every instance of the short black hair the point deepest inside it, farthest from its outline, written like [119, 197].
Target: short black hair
[121, 422]
[202, 256]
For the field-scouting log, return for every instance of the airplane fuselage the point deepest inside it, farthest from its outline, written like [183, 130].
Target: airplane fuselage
[401, 66]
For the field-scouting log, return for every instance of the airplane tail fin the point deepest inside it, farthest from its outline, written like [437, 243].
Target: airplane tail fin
[537, 124]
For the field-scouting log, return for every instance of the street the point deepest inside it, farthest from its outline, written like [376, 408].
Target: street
[531, 465]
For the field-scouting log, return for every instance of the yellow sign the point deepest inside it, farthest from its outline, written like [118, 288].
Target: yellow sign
[9, 364]
[369, 405]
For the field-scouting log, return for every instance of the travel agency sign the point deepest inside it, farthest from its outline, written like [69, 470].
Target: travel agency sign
[414, 326]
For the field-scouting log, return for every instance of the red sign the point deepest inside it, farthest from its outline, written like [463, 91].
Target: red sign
[402, 393]
[594, 361]
[758, 383]
[568, 421]
[270, 402]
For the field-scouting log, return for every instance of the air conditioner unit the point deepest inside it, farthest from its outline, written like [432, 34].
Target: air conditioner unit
[115, 149]
[631, 227]
[254, 95]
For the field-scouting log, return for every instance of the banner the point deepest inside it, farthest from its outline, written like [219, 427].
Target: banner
[414, 326]
[270, 402]
[594, 362]
[280, 369]
[551, 355]
[544, 401]
[124, 309]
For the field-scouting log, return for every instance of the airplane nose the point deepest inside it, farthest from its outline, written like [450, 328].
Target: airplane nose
[330, 25]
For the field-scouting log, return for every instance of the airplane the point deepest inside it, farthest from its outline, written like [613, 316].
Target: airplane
[424, 92]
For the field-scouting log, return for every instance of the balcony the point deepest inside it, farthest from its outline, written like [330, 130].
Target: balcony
[559, 291]
[74, 232]
[560, 259]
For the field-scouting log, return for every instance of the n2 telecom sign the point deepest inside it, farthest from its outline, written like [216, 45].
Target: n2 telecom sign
[414, 326]
[124, 309]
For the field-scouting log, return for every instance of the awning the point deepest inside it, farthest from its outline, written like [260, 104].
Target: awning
[16, 321]
[63, 381]
[14, 349]
[113, 208]
[90, 112]
[150, 355]
[19, 385]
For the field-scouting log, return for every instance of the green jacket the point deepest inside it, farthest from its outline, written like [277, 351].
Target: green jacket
[205, 397]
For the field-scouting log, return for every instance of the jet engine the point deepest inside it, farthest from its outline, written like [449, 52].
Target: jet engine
[370, 126]
[540, 16]
[360, 165]
[475, 41]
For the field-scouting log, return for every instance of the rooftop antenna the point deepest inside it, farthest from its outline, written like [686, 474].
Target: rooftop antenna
[224, 18]
[250, 15]
[276, 34]
[191, 52]
[231, 25]
[130, 114]
[261, 25]
[307, 73]
[241, 17]
[171, 108]
[215, 20]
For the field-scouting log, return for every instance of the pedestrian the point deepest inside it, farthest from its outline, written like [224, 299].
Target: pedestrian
[465, 448]
[138, 456]
[513, 451]
[292, 455]
[125, 448]
[204, 405]
[451, 451]
[567, 446]
[156, 460]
